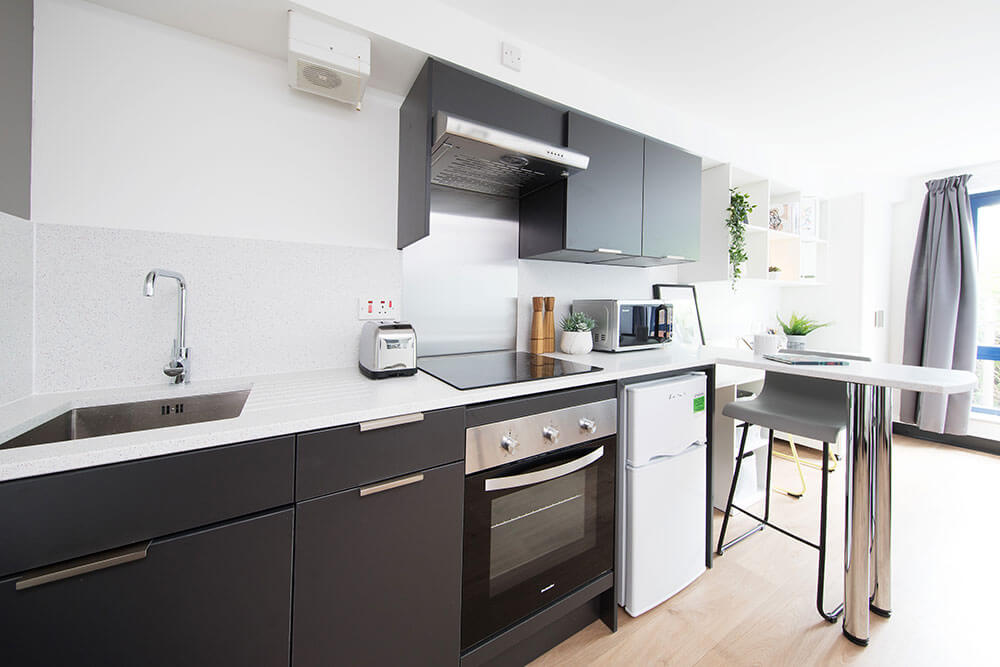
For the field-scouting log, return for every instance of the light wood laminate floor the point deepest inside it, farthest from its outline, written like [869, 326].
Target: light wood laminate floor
[756, 606]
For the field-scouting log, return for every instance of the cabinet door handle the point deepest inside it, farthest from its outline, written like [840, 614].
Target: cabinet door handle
[73, 568]
[611, 250]
[375, 424]
[391, 484]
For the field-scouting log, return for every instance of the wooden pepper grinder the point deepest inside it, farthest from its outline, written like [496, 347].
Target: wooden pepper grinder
[550, 324]
[537, 326]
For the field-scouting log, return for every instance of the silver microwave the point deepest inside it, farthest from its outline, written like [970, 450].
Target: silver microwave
[626, 324]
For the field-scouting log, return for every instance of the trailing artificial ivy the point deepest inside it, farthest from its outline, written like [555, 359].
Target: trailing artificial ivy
[739, 213]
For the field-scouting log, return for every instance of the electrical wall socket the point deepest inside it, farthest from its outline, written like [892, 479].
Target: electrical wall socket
[510, 56]
[377, 308]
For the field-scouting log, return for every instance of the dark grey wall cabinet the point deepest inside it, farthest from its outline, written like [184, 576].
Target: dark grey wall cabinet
[671, 203]
[637, 204]
[604, 203]
[218, 596]
[16, 48]
[441, 87]
[378, 573]
[671, 207]
[596, 215]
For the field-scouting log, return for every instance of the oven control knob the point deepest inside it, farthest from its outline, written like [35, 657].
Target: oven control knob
[551, 433]
[588, 425]
[509, 443]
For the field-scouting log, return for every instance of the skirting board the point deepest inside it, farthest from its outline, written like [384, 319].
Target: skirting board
[965, 441]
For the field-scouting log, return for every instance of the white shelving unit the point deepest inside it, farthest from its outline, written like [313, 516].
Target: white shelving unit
[726, 435]
[802, 259]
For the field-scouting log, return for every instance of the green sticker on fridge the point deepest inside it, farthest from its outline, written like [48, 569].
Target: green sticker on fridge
[699, 403]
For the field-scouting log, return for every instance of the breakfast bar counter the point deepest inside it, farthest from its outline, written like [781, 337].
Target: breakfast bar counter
[867, 537]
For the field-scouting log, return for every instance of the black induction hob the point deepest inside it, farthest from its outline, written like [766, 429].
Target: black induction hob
[488, 369]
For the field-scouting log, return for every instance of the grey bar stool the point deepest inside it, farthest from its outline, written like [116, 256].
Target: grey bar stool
[806, 407]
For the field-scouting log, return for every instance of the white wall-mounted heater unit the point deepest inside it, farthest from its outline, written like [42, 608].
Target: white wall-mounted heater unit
[327, 60]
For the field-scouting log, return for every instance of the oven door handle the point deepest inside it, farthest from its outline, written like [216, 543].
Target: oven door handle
[545, 475]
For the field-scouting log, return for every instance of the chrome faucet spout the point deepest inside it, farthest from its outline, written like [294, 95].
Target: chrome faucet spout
[179, 366]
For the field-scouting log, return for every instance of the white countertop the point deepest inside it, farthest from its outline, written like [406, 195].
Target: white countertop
[896, 376]
[297, 402]
[287, 403]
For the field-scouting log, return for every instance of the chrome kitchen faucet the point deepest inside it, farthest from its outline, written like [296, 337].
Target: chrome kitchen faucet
[179, 366]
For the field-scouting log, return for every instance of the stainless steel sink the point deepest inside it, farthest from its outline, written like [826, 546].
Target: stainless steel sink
[138, 416]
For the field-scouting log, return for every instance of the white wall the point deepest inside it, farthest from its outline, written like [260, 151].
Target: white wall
[16, 304]
[154, 147]
[141, 126]
[253, 306]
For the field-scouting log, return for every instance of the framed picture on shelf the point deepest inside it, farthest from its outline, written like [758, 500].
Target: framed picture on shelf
[809, 218]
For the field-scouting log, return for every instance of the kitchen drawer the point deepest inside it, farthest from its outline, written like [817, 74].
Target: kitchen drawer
[347, 456]
[218, 596]
[56, 517]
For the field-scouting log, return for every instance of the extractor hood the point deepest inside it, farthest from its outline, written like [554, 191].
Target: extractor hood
[470, 156]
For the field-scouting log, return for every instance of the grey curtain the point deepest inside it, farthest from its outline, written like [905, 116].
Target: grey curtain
[940, 327]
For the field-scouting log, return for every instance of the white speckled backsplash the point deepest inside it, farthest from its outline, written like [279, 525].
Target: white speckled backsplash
[254, 307]
[15, 307]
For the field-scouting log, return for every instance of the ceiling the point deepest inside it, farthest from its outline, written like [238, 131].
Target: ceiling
[883, 88]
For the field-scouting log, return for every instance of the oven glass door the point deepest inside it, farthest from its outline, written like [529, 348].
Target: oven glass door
[535, 531]
[641, 324]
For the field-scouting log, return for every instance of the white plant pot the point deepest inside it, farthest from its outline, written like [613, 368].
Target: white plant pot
[796, 342]
[576, 342]
[773, 275]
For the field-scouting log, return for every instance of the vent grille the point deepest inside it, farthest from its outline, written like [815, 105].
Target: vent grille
[320, 76]
[504, 178]
[322, 80]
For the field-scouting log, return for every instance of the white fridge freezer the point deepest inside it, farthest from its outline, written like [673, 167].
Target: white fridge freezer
[664, 503]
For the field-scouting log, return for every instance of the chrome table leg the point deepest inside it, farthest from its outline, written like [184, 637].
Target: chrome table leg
[857, 531]
[881, 599]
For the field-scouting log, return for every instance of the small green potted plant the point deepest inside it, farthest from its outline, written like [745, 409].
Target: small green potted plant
[797, 328]
[577, 334]
[774, 273]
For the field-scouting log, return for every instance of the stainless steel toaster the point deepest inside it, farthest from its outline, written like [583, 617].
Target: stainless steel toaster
[387, 349]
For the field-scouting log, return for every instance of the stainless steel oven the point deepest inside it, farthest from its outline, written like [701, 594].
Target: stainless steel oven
[539, 512]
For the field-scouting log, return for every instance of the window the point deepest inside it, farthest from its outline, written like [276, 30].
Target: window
[986, 222]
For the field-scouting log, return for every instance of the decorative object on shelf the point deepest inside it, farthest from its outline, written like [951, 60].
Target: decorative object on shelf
[739, 213]
[784, 218]
[577, 334]
[808, 216]
[797, 328]
[773, 272]
[550, 324]
[537, 325]
[774, 220]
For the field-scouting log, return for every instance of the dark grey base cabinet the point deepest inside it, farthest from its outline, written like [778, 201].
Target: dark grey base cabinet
[378, 576]
[217, 596]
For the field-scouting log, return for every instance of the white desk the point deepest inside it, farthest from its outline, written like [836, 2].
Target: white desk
[867, 543]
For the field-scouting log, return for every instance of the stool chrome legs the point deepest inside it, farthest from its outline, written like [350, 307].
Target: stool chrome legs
[869, 441]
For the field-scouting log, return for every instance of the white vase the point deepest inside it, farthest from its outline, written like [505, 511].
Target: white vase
[576, 342]
[796, 342]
